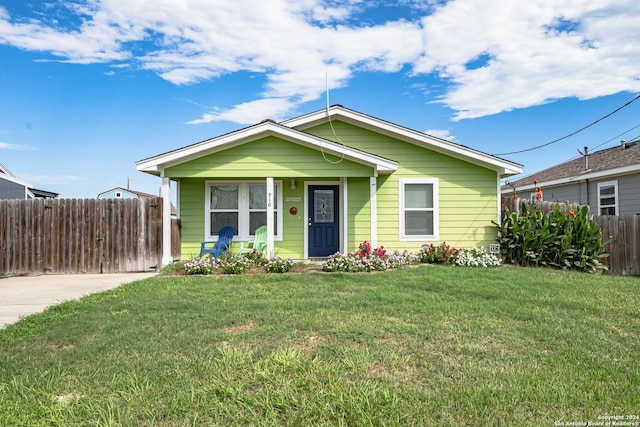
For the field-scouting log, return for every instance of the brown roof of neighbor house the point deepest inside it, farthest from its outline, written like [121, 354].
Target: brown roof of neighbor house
[627, 154]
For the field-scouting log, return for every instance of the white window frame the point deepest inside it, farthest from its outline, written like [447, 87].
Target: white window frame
[615, 194]
[436, 208]
[243, 208]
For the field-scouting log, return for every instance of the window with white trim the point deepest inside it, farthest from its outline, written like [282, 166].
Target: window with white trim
[419, 209]
[242, 205]
[608, 198]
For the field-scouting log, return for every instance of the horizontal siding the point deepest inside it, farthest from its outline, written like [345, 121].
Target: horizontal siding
[192, 214]
[192, 197]
[467, 200]
[11, 190]
[574, 192]
[629, 194]
[268, 157]
[292, 244]
[359, 212]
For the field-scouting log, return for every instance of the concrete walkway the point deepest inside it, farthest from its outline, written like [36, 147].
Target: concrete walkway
[25, 295]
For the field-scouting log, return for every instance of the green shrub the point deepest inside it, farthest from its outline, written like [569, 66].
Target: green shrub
[565, 241]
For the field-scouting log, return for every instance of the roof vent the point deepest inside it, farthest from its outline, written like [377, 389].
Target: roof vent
[586, 158]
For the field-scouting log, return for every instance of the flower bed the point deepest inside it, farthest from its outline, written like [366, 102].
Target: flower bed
[365, 259]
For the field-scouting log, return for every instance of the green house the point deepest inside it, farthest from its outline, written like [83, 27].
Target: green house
[326, 181]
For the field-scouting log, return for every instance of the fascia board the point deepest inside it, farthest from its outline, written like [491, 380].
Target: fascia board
[155, 164]
[12, 178]
[503, 167]
[625, 170]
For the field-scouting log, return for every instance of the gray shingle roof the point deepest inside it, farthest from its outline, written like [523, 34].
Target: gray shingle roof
[611, 158]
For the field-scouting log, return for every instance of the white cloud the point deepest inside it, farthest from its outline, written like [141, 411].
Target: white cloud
[44, 180]
[540, 51]
[441, 133]
[7, 146]
[523, 53]
[249, 112]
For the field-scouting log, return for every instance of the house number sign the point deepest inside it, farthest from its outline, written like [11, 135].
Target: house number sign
[269, 200]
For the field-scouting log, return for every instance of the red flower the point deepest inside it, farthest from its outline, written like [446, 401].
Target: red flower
[535, 182]
[572, 213]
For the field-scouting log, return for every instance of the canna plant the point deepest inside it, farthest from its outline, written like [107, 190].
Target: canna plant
[555, 239]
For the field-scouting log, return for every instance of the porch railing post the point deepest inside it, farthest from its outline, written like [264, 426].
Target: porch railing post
[270, 212]
[166, 221]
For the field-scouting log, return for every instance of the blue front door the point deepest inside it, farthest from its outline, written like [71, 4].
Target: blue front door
[324, 220]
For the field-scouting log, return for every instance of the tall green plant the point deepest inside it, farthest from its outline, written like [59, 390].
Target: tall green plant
[553, 239]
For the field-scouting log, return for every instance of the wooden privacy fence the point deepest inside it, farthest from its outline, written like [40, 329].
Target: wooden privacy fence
[81, 235]
[621, 234]
[514, 205]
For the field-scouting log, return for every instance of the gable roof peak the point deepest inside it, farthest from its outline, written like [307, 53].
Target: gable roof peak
[393, 130]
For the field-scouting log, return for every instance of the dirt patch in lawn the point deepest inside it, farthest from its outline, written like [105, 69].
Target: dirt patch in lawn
[238, 329]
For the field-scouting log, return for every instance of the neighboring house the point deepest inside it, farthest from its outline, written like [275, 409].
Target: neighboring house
[326, 181]
[127, 193]
[124, 193]
[14, 188]
[607, 180]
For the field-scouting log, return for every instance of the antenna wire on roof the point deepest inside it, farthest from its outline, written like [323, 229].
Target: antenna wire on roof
[326, 83]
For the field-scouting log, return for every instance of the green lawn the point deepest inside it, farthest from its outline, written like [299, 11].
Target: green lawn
[420, 346]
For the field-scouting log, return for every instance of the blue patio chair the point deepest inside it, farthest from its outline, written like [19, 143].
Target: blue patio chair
[225, 235]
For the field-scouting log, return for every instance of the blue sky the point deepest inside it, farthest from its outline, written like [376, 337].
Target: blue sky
[89, 87]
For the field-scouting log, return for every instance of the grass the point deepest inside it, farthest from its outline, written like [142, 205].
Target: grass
[419, 346]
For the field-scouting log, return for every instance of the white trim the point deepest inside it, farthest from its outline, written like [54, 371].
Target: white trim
[270, 211]
[166, 221]
[577, 178]
[436, 207]
[504, 167]
[343, 214]
[499, 201]
[268, 128]
[243, 207]
[307, 215]
[614, 183]
[178, 203]
[373, 204]
[11, 178]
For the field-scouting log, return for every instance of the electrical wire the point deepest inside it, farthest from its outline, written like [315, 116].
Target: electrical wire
[332, 129]
[572, 133]
[635, 138]
[616, 137]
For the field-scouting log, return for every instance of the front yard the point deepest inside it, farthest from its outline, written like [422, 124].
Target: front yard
[427, 345]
